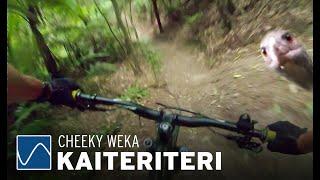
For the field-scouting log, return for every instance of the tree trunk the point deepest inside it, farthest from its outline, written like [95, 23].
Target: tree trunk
[92, 39]
[134, 63]
[127, 25]
[151, 16]
[47, 55]
[156, 12]
[109, 26]
[131, 20]
[121, 25]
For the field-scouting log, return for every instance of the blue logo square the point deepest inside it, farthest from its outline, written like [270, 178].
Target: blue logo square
[33, 152]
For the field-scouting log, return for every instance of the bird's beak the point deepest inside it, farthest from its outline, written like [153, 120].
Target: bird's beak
[274, 59]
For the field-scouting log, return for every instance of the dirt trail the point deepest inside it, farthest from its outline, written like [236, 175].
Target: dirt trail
[182, 70]
[226, 91]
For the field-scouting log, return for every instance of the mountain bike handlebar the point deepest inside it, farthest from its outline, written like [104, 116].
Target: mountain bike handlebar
[244, 126]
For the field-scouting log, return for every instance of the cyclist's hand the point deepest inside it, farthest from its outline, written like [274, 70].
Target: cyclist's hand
[286, 138]
[59, 92]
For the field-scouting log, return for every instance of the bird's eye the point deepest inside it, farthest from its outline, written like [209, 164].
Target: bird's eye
[287, 37]
[264, 51]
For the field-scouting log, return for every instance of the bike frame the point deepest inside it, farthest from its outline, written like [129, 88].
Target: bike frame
[166, 141]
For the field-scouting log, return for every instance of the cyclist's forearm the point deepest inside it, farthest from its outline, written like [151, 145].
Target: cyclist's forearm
[305, 142]
[22, 87]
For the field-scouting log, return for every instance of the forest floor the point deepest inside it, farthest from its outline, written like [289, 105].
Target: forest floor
[225, 91]
[236, 85]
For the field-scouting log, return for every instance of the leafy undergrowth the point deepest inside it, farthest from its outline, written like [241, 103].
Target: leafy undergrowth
[151, 56]
[105, 79]
[101, 68]
[226, 36]
[134, 93]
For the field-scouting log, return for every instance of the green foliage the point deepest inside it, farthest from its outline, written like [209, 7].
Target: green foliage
[134, 93]
[309, 109]
[27, 120]
[24, 111]
[72, 29]
[35, 127]
[22, 50]
[170, 6]
[277, 109]
[194, 18]
[152, 57]
[30, 118]
[101, 68]
[112, 129]
[142, 6]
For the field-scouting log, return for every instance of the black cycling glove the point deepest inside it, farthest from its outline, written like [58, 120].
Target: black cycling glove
[286, 138]
[59, 92]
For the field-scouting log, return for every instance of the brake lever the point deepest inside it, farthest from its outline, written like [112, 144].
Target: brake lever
[244, 142]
